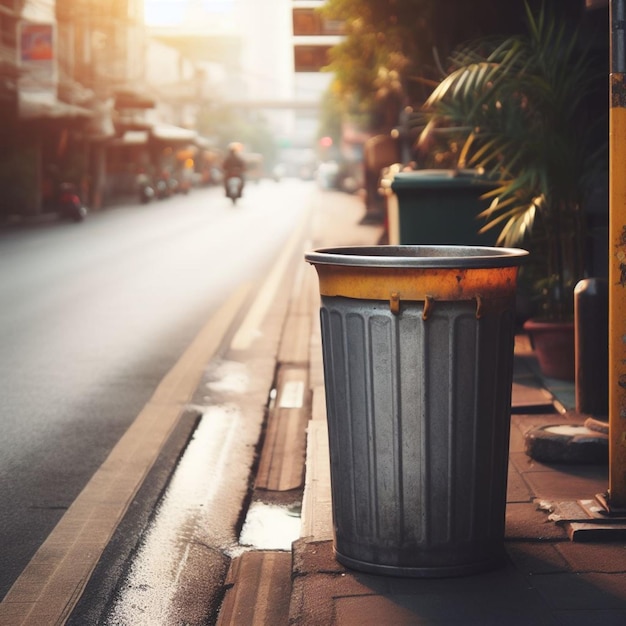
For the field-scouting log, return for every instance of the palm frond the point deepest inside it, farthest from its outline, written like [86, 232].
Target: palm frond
[515, 106]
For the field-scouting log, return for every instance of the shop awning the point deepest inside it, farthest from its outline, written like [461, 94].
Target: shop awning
[174, 134]
[32, 107]
[203, 142]
[132, 138]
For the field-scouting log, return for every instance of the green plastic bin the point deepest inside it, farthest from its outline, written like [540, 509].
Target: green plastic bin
[438, 207]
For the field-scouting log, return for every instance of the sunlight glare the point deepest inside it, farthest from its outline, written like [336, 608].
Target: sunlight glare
[164, 12]
[176, 12]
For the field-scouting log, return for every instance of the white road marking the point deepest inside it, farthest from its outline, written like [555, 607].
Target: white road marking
[292, 395]
[249, 329]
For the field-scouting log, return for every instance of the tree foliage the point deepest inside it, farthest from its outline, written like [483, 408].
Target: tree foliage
[385, 41]
[394, 50]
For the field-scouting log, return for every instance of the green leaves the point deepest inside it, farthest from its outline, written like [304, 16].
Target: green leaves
[519, 105]
[517, 102]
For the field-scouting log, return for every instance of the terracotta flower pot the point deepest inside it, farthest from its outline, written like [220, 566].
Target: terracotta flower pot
[553, 343]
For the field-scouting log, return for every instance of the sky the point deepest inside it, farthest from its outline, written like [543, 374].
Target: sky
[172, 12]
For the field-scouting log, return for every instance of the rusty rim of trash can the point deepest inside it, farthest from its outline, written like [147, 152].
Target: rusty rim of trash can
[419, 273]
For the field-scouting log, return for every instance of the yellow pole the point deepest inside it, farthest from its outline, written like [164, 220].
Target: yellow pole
[617, 260]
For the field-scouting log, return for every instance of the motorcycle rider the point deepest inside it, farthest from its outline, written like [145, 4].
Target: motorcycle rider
[234, 165]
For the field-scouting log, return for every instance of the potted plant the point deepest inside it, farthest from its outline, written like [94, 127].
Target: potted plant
[518, 109]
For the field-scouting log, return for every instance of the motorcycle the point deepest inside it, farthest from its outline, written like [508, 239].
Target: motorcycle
[146, 190]
[234, 187]
[163, 189]
[146, 193]
[69, 203]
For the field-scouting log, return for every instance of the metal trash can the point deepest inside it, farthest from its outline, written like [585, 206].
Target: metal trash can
[418, 355]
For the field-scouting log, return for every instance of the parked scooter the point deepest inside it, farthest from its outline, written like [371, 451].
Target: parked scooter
[69, 204]
[146, 190]
[163, 189]
[234, 187]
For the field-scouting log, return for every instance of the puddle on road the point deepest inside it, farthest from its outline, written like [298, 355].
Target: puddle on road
[270, 527]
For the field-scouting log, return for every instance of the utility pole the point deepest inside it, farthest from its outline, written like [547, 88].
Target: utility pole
[616, 498]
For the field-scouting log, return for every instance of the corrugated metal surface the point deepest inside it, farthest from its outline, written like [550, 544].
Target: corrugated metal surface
[418, 414]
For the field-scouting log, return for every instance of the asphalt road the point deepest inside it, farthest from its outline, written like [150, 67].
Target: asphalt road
[92, 316]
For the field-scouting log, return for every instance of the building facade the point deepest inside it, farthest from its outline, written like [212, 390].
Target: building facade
[91, 96]
[76, 104]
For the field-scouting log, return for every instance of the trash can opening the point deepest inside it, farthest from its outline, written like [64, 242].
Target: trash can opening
[418, 256]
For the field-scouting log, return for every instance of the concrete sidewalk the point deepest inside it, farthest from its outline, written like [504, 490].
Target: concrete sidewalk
[569, 572]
